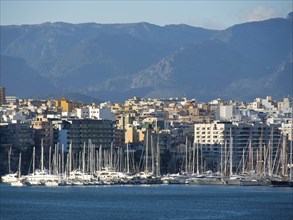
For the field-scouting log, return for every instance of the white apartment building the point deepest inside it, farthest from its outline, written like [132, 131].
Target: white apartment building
[214, 140]
[104, 113]
[95, 113]
[82, 113]
[267, 105]
[11, 99]
[228, 113]
[285, 106]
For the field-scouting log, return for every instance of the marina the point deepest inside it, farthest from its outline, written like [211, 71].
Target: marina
[99, 168]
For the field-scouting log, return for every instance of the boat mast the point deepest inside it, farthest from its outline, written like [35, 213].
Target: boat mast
[56, 168]
[50, 151]
[225, 162]
[97, 160]
[291, 128]
[34, 155]
[158, 156]
[197, 162]
[42, 157]
[127, 156]
[193, 157]
[257, 162]
[264, 160]
[92, 157]
[100, 158]
[111, 155]
[186, 155]
[153, 155]
[69, 159]
[62, 158]
[88, 156]
[283, 161]
[270, 154]
[231, 153]
[221, 163]
[59, 171]
[67, 166]
[146, 151]
[201, 159]
[19, 166]
[250, 158]
[91, 168]
[260, 153]
[83, 159]
[9, 155]
[243, 161]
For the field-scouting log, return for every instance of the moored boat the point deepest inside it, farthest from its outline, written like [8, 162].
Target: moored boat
[206, 180]
[281, 183]
[9, 178]
[51, 183]
[17, 183]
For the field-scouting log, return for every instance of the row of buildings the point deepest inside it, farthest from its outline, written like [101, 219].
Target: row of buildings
[218, 130]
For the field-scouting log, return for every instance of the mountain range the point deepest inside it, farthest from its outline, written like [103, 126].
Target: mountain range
[118, 61]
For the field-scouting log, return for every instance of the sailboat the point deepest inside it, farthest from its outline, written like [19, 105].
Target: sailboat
[10, 177]
[282, 183]
[18, 182]
[40, 176]
[285, 182]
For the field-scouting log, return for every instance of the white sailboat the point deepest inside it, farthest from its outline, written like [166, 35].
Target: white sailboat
[10, 177]
[40, 176]
[18, 182]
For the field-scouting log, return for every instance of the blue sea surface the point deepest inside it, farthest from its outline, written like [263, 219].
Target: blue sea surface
[146, 202]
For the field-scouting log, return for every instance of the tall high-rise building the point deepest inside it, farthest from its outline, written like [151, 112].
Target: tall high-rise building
[2, 95]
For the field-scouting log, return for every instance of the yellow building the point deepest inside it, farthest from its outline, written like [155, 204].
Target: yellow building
[66, 106]
[131, 135]
[141, 134]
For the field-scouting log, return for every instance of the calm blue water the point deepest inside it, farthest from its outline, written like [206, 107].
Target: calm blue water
[146, 202]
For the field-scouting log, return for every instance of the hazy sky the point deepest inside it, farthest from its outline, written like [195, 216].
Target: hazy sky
[208, 14]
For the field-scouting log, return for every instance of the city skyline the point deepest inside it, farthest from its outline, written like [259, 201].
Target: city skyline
[111, 101]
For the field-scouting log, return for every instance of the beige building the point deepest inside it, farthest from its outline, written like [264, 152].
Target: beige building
[43, 131]
[131, 134]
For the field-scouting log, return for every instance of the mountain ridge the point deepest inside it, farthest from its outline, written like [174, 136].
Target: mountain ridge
[115, 61]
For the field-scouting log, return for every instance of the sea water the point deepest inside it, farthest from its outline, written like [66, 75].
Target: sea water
[146, 202]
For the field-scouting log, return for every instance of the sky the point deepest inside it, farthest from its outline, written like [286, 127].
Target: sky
[208, 14]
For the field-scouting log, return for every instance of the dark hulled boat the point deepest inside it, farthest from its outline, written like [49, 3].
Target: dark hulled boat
[281, 183]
